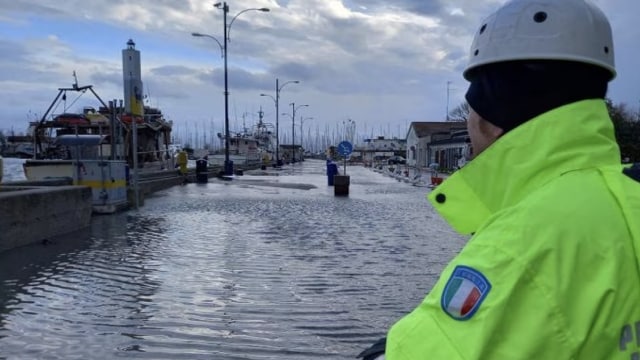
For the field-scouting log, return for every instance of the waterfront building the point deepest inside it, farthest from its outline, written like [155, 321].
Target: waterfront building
[442, 143]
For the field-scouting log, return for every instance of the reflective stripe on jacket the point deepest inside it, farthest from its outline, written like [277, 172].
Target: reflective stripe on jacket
[556, 235]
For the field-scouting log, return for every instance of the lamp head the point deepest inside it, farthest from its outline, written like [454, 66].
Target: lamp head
[196, 34]
[264, 9]
[217, 5]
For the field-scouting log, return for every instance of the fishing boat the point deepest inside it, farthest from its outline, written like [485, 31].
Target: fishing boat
[53, 158]
[249, 147]
[106, 178]
[97, 148]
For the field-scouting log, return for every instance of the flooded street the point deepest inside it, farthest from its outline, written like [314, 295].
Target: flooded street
[271, 266]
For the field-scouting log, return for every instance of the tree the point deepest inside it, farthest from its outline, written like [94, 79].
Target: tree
[460, 112]
[627, 130]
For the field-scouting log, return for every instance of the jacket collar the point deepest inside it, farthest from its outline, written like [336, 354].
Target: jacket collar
[572, 137]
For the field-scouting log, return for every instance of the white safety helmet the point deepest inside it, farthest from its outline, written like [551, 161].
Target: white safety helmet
[573, 30]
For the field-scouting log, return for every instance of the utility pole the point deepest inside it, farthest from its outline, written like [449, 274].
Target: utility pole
[448, 83]
[228, 165]
[276, 100]
[277, 126]
[293, 130]
[293, 133]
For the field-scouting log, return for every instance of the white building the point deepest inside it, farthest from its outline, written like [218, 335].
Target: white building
[380, 149]
[444, 143]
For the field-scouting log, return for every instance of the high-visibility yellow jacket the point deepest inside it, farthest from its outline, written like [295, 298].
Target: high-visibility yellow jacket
[552, 268]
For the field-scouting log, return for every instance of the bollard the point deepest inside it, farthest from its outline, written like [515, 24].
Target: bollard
[332, 171]
[228, 168]
[202, 174]
[341, 185]
[1, 169]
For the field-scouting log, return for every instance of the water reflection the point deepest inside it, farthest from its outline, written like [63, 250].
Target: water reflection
[229, 271]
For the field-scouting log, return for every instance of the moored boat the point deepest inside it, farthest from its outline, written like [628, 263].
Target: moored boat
[106, 178]
[97, 148]
[251, 146]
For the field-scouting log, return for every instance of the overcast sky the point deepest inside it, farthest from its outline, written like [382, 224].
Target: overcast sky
[382, 64]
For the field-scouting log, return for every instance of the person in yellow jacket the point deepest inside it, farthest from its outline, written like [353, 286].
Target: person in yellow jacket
[552, 268]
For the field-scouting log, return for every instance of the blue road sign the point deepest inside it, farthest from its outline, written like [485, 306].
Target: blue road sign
[345, 148]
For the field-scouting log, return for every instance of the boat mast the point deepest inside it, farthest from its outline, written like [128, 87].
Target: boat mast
[61, 93]
[260, 115]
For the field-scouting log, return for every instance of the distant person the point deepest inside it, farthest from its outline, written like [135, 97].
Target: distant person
[551, 270]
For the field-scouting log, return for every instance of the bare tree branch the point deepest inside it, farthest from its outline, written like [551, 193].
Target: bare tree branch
[460, 112]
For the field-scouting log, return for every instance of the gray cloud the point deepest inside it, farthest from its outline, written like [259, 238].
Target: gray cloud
[172, 70]
[423, 7]
[380, 60]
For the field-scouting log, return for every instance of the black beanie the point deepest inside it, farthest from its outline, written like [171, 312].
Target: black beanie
[508, 94]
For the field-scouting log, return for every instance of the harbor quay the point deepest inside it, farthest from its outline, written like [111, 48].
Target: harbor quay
[33, 211]
[268, 265]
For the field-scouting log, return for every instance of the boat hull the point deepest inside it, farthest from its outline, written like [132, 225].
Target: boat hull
[37, 170]
[218, 159]
[106, 178]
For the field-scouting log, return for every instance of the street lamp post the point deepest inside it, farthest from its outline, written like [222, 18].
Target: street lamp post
[293, 130]
[277, 101]
[228, 165]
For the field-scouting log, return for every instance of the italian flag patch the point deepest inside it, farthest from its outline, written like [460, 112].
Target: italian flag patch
[464, 292]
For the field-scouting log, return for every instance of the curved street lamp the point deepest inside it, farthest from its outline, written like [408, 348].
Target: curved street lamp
[210, 37]
[277, 100]
[293, 130]
[228, 165]
[226, 9]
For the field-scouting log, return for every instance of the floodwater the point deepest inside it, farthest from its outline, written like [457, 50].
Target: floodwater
[271, 266]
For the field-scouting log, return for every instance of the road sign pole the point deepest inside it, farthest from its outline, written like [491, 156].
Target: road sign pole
[345, 148]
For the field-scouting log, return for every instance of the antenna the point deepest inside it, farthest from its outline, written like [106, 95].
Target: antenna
[75, 80]
[448, 84]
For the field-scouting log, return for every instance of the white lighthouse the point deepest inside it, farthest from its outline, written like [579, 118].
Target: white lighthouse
[131, 71]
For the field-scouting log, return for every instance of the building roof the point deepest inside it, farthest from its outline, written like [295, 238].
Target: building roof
[427, 128]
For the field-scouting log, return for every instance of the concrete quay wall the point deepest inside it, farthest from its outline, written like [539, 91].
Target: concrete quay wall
[31, 214]
[32, 211]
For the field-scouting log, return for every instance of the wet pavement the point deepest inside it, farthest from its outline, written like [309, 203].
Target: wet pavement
[269, 265]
